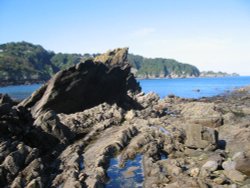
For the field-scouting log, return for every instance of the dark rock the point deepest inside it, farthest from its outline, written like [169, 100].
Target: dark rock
[4, 98]
[107, 78]
[50, 123]
[5, 108]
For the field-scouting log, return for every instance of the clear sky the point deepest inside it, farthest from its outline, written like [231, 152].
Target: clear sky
[210, 34]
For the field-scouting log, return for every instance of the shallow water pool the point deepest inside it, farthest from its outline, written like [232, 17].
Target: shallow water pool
[131, 175]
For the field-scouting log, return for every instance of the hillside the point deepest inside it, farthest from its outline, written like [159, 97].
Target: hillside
[20, 62]
[26, 63]
[161, 68]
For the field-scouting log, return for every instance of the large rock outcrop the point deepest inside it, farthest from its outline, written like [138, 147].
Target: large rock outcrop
[106, 78]
[171, 142]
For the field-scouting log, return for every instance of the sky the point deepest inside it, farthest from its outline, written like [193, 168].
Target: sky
[210, 34]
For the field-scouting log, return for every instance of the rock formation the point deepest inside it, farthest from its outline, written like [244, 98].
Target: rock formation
[107, 78]
[67, 132]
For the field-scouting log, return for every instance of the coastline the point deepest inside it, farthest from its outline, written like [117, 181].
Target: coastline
[159, 78]
[30, 82]
[172, 141]
[17, 83]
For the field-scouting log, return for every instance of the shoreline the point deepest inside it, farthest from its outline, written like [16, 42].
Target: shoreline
[6, 84]
[191, 92]
[180, 142]
[166, 78]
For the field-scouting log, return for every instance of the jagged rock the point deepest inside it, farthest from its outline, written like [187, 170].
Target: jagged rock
[107, 78]
[117, 57]
[49, 122]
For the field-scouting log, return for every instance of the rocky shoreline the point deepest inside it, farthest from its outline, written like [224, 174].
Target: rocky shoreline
[17, 83]
[66, 133]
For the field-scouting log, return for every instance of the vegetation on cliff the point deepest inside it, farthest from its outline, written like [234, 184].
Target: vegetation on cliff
[161, 68]
[24, 62]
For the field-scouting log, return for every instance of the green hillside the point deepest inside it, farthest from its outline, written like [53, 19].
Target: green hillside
[160, 67]
[24, 63]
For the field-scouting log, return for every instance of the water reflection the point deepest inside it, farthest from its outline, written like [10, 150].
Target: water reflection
[129, 176]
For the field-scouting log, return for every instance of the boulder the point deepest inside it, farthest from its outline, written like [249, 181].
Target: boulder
[235, 175]
[229, 165]
[107, 78]
[243, 165]
[202, 113]
[210, 166]
[198, 136]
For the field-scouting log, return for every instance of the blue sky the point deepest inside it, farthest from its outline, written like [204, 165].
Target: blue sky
[210, 34]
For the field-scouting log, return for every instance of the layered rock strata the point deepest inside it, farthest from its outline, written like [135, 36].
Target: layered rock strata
[65, 134]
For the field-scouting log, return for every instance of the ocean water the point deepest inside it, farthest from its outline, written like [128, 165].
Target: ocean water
[186, 87]
[194, 87]
[20, 91]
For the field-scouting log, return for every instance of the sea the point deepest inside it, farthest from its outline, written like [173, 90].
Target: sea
[182, 87]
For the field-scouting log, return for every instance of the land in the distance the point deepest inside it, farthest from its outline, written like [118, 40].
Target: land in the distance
[26, 63]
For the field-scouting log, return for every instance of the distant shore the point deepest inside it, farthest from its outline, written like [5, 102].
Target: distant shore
[17, 83]
[31, 82]
[158, 78]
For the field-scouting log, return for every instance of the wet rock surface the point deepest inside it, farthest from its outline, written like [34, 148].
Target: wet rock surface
[61, 138]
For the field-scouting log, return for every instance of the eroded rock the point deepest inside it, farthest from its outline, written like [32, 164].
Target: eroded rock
[107, 78]
[65, 134]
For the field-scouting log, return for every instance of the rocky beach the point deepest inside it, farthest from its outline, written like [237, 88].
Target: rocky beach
[93, 115]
